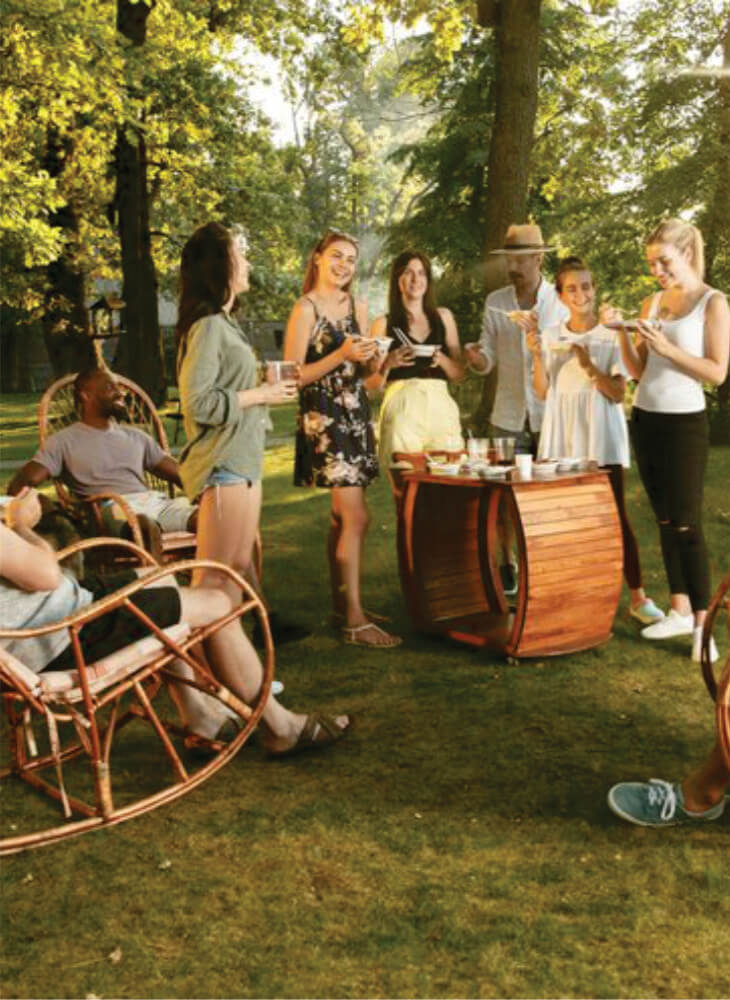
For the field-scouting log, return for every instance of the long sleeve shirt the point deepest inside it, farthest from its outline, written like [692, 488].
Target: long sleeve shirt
[503, 345]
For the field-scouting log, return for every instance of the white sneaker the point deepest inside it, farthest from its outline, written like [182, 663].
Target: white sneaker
[673, 624]
[697, 647]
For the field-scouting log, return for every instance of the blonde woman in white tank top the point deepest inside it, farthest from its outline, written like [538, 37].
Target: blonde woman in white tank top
[671, 360]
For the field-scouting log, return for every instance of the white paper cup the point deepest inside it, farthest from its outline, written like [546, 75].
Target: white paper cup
[524, 466]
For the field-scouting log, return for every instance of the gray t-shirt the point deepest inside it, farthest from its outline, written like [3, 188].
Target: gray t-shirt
[31, 609]
[90, 460]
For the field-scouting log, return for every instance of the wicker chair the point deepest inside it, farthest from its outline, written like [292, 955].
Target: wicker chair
[56, 410]
[83, 712]
[719, 690]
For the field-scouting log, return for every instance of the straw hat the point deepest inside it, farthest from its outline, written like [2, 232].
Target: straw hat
[523, 239]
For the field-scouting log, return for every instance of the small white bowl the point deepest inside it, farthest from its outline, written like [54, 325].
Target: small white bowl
[444, 468]
[424, 350]
[544, 468]
[383, 344]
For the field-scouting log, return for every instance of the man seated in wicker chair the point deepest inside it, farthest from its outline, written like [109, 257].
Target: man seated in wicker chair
[99, 455]
[34, 590]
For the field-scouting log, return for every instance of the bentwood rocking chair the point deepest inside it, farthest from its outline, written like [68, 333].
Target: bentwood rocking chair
[56, 410]
[719, 690]
[87, 720]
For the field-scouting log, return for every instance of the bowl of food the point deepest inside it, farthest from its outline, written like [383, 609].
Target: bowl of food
[444, 468]
[561, 346]
[545, 467]
[568, 464]
[424, 350]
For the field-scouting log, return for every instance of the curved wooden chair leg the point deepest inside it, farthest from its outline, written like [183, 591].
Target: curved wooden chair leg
[75, 717]
[718, 689]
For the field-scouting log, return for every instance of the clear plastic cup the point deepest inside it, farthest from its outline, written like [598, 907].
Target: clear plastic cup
[281, 371]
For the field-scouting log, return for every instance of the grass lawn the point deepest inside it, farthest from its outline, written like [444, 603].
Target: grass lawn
[456, 844]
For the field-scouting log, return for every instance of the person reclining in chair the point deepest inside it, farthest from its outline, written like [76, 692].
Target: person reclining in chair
[34, 590]
[99, 455]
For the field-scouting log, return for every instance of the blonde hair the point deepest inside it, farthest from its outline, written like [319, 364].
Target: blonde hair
[681, 235]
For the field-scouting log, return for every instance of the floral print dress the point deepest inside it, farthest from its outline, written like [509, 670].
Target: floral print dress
[335, 444]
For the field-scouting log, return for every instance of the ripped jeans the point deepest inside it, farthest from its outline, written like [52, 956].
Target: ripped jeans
[671, 455]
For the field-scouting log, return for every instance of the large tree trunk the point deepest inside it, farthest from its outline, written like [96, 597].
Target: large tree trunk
[517, 41]
[65, 317]
[140, 347]
[516, 25]
[715, 220]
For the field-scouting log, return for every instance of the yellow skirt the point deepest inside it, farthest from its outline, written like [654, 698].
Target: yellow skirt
[417, 414]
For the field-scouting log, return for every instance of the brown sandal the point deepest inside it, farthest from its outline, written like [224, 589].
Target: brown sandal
[319, 731]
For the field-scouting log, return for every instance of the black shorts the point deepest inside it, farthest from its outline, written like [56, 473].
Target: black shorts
[120, 627]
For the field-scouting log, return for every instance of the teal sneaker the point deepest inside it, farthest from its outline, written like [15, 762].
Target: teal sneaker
[657, 803]
[647, 612]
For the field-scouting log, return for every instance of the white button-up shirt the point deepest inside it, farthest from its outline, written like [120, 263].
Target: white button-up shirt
[503, 345]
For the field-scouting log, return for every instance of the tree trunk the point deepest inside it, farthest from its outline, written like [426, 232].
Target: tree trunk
[516, 26]
[517, 41]
[65, 317]
[715, 221]
[139, 353]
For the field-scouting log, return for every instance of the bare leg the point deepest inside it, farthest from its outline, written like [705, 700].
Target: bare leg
[339, 602]
[348, 504]
[706, 786]
[350, 512]
[234, 660]
[228, 520]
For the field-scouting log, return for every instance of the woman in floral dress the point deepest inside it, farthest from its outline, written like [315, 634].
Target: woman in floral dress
[335, 445]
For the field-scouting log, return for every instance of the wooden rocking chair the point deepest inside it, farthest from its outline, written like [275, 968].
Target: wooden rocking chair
[83, 711]
[56, 410]
[719, 690]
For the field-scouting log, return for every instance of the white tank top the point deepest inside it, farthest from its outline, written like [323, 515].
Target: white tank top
[663, 388]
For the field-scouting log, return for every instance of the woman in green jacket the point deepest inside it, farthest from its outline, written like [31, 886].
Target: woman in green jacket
[223, 406]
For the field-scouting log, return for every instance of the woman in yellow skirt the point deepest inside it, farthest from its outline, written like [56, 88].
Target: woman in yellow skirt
[418, 413]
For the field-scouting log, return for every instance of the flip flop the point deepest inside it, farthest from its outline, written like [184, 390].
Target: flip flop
[319, 731]
[354, 635]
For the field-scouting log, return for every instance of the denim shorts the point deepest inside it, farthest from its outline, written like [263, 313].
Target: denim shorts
[220, 476]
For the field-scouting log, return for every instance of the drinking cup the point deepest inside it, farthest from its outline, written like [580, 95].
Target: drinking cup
[473, 447]
[524, 465]
[281, 371]
[504, 449]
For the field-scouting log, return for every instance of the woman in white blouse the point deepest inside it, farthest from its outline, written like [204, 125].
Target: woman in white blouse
[683, 341]
[577, 369]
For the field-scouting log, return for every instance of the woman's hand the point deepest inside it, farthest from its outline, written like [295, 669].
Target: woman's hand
[358, 349]
[584, 358]
[401, 357]
[655, 338]
[276, 393]
[609, 314]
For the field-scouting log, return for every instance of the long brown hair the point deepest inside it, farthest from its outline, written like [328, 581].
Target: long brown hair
[397, 315]
[206, 278]
[311, 271]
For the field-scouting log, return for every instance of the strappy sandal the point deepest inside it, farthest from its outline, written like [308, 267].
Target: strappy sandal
[354, 635]
[319, 731]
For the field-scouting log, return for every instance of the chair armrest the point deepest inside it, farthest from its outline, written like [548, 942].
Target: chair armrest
[129, 515]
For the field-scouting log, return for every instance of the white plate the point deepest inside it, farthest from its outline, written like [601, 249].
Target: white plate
[561, 346]
[631, 324]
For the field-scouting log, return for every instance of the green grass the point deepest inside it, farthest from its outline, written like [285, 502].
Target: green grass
[456, 844]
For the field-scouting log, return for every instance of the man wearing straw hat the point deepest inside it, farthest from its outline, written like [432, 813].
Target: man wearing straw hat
[517, 412]
[508, 313]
